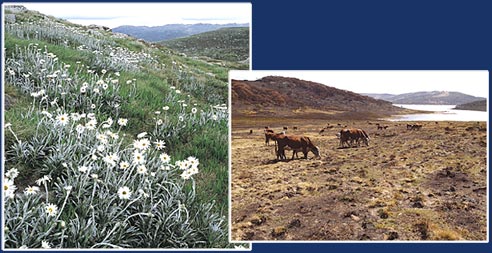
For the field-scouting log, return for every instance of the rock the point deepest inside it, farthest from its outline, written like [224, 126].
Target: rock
[279, 231]
[383, 214]
[418, 204]
[355, 218]
[392, 235]
[248, 236]
[294, 223]
[258, 219]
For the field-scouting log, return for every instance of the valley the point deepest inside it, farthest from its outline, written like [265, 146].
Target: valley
[410, 185]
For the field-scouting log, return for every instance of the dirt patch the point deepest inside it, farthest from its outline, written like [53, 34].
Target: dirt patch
[427, 184]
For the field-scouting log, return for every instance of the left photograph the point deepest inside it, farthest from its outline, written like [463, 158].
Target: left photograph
[115, 123]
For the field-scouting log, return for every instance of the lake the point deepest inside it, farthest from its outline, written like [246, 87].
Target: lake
[441, 113]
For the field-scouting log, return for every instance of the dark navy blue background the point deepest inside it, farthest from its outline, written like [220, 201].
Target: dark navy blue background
[372, 35]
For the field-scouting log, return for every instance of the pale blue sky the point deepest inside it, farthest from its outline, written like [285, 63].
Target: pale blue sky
[145, 14]
[474, 83]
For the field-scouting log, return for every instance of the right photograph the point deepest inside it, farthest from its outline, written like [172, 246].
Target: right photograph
[359, 156]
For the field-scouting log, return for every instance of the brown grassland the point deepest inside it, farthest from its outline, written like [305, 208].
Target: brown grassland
[428, 184]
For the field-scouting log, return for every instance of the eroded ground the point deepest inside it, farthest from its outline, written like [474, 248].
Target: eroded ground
[427, 184]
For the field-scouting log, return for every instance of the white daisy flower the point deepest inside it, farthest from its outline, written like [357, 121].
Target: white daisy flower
[122, 122]
[124, 165]
[165, 108]
[30, 190]
[165, 158]
[193, 110]
[100, 148]
[124, 193]
[83, 169]
[142, 170]
[138, 158]
[160, 144]
[51, 209]
[8, 186]
[45, 245]
[91, 125]
[79, 128]
[43, 180]
[12, 173]
[62, 119]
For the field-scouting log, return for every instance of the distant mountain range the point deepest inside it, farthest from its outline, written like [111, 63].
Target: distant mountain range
[171, 31]
[427, 97]
[291, 97]
[229, 44]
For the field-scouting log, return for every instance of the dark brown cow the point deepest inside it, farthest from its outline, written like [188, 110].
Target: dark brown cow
[296, 143]
[352, 135]
[275, 137]
[295, 128]
[250, 131]
[414, 126]
[268, 133]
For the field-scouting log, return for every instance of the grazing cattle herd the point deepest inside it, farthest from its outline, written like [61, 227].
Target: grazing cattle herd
[349, 137]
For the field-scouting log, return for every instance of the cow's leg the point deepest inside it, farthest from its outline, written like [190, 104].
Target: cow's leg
[277, 151]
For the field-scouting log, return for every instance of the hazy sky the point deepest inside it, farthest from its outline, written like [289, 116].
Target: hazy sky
[145, 14]
[474, 83]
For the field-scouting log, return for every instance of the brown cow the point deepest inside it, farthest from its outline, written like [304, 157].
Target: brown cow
[275, 137]
[296, 143]
[352, 135]
[268, 133]
[414, 126]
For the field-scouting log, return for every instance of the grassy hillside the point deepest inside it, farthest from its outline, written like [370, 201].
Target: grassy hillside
[291, 97]
[474, 106]
[89, 113]
[170, 31]
[226, 44]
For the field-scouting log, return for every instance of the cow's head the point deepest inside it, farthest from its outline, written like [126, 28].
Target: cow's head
[315, 151]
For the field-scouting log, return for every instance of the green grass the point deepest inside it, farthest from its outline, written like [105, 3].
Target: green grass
[230, 45]
[209, 145]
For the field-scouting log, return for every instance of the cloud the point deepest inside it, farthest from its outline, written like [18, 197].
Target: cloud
[146, 14]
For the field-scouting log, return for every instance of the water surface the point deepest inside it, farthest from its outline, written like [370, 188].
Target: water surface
[439, 113]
